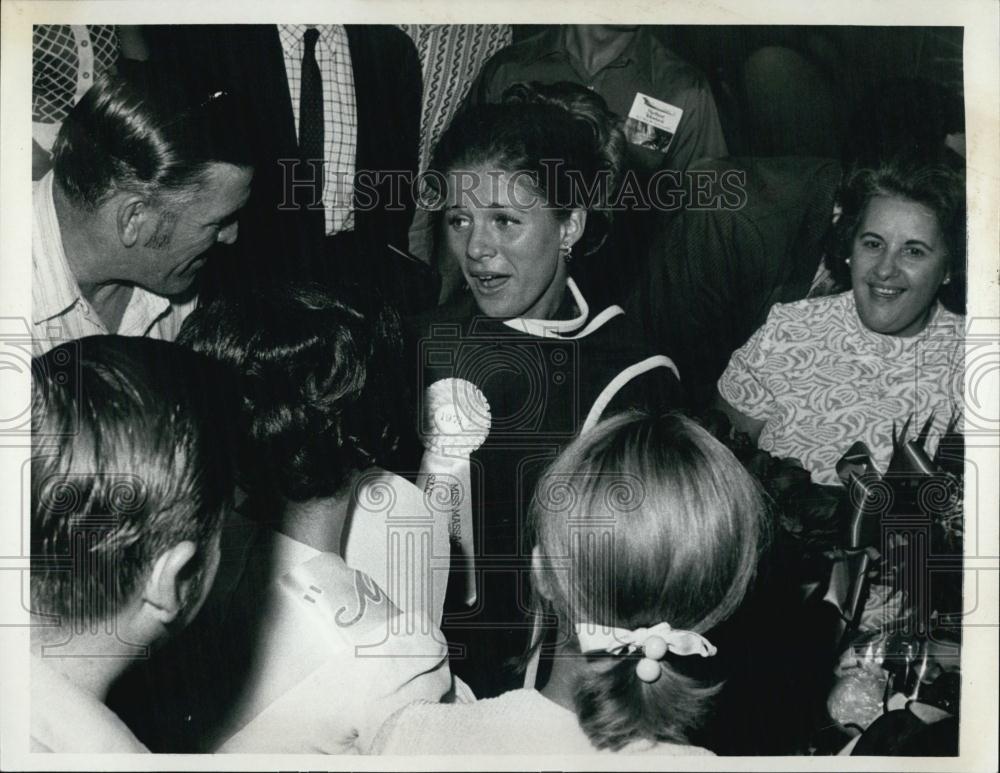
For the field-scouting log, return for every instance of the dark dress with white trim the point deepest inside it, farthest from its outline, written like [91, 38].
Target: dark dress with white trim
[542, 380]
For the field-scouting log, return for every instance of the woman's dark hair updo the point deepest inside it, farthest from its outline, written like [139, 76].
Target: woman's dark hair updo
[320, 381]
[562, 136]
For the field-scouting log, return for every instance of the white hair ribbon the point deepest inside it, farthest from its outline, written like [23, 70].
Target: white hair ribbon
[615, 641]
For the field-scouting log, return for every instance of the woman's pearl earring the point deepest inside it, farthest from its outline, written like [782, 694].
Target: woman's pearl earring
[847, 261]
[567, 252]
[947, 279]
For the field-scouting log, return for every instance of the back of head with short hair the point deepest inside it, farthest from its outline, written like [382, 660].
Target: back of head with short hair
[129, 457]
[642, 521]
[320, 383]
[141, 132]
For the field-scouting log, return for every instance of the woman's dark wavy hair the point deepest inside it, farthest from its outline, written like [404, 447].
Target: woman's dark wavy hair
[935, 179]
[132, 454]
[320, 381]
[140, 132]
[561, 136]
[640, 521]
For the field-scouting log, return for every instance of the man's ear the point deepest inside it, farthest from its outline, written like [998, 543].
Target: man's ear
[132, 214]
[539, 576]
[166, 587]
[573, 227]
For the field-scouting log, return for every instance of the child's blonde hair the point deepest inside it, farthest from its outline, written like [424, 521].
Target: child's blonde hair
[640, 521]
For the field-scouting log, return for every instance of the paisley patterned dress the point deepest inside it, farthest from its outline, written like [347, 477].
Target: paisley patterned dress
[822, 380]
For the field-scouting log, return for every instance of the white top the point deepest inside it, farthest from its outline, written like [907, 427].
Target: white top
[401, 543]
[59, 312]
[332, 656]
[517, 722]
[67, 719]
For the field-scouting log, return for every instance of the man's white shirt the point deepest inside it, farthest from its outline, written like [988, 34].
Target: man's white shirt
[59, 312]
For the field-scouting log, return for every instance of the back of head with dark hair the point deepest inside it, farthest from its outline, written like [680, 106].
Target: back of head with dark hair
[130, 456]
[934, 177]
[643, 521]
[320, 383]
[561, 135]
[143, 133]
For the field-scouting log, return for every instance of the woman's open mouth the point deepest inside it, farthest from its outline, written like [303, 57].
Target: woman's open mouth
[880, 291]
[488, 283]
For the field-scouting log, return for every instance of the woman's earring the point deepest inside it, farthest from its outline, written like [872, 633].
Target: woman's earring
[566, 251]
[947, 279]
[847, 261]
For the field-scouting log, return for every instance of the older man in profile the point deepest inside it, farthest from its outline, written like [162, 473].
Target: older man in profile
[145, 179]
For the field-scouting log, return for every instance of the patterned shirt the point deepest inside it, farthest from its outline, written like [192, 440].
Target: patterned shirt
[451, 56]
[822, 380]
[340, 113]
[66, 58]
[59, 312]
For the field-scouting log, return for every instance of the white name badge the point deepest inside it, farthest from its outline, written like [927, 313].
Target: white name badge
[652, 122]
[657, 113]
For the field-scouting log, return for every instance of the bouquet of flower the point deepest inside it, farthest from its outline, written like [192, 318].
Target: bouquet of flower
[865, 548]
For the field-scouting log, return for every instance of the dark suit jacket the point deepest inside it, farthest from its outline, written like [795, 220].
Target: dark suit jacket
[288, 241]
[713, 274]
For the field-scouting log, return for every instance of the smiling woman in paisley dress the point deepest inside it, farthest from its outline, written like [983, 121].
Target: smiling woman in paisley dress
[823, 373]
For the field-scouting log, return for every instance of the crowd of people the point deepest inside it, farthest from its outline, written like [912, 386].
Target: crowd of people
[377, 380]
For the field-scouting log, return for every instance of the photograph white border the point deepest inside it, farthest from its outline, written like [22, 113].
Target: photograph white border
[981, 20]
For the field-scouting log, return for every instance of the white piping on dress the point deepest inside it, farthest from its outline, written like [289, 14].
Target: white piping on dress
[619, 381]
[602, 401]
[556, 328]
[609, 313]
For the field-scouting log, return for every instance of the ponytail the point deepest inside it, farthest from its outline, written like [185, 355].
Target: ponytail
[615, 707]
[659, 524]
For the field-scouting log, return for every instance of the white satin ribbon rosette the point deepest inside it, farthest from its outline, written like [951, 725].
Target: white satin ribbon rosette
[455, 422]
[655, 643]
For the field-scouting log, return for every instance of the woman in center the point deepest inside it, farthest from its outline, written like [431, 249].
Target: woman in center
[526, 189]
